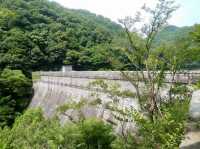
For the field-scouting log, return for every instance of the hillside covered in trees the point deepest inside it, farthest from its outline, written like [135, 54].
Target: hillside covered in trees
[170, 34]
[42, 35]
[183, 41]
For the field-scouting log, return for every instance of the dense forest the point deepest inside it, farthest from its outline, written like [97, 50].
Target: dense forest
[171, 33]
[40, 35]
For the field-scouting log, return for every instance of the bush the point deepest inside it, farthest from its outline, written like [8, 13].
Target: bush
[33, 131]
[197, 85]
[96, 134]
[130, 142]
[166, 132]
[15, 93]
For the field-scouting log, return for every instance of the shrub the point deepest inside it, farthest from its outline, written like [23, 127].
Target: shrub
[167, 131]
[197, 85]
[33, 131]
[96, 134]
[15, 93]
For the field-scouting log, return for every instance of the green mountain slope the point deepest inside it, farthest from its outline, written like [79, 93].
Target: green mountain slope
[37, 34]
[99, 20]
[170, 34]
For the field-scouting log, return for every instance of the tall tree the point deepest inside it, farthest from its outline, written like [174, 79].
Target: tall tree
[146, 62]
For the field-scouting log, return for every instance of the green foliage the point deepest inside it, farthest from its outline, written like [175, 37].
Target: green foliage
[15, 93]
[165, 131]
[168, 131]
[7, 18]
[183, 43]
[179, 89]
[100, 57]
[197, 85]
[196, 33]
[169, 34]
[36, 35]
[96, 134]
[42, 35]
[32, 130]
[193, 53]
[129, 142]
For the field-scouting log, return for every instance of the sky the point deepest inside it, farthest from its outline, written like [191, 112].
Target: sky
[187, 15]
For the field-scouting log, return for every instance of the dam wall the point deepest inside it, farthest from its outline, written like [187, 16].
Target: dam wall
[55, 89]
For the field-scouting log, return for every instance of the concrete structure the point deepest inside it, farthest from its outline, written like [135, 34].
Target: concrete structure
[57, 88]
[192, 136]
[67, 68]
[195, 106]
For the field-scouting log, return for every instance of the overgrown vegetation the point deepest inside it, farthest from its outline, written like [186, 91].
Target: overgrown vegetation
[15, 93]
[41, 35]
[166, 131]
[32, 130]
[197, 85]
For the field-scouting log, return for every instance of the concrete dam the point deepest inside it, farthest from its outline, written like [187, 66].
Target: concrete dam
[57, 88]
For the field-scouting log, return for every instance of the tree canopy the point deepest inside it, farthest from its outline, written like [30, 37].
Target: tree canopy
[15, 93]
[37, 35]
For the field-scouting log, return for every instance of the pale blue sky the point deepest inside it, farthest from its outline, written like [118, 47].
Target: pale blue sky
[188, 14]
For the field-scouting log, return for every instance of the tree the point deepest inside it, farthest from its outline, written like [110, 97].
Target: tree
[33, 130]
[145, 61]
[7, 18]
[192, 54]
[15, 93]
[155, 119]
[97, 134]
[39, 35]
[196, 33]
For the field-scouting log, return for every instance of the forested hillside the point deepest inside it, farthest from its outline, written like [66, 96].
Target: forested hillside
[171, 33]
[38, 35]
[183, 42]
[42, 35]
